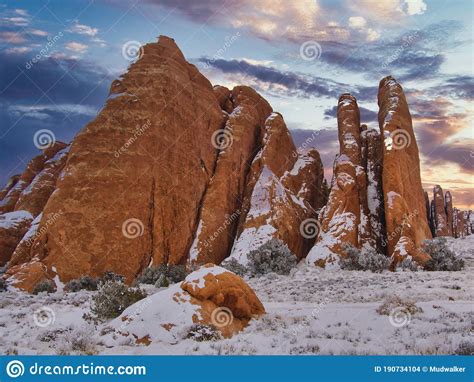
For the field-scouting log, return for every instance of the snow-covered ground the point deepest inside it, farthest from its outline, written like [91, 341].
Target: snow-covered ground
[312, 311]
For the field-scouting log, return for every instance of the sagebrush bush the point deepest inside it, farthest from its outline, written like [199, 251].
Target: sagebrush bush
[234, 266]
[84, 282]
[111, 276]
[172, 273]
[408, 264]
[442, 258]
[77, 341]
[201, 332]
[3, 285]
[273, 256]
[45, 285]
[112, 298]
[465, 348]
[392, 302]
[363, 260]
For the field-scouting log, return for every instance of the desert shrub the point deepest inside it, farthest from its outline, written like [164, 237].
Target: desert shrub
[111, 276]
[112, 298]
[45, 285]
[200, 333]
[442, 258]
[273, 256]
[3, 285]
[84, 282]
[363, 260]
[234, 266]
[77, 341]
[173, 273]
[465, 348]
[394, 302]
[162, 281]
[407, 264]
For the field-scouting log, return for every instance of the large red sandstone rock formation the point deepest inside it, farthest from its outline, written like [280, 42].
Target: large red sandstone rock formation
[405, 209]
[345, 218]
[448, 202]
[166, 173]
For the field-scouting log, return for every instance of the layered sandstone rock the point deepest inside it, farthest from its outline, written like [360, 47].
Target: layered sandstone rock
[440, 219]
[283, 193]
[10, 184]
[222, 203]
[345, 218]
[22, 186]
[26, 196]
[13, 226]
[210, 296]
[405, 211]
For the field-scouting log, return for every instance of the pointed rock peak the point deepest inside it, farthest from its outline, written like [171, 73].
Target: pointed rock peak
[347, 96]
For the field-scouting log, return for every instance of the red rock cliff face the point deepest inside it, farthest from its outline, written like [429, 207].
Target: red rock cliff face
[405, 211]
[448, 202]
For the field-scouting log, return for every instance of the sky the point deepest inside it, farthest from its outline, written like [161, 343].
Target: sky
[58, 59]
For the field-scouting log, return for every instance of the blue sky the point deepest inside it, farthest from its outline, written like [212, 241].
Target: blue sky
[426, 45]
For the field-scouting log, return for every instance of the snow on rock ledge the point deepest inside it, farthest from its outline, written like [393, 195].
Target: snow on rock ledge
[210, 296]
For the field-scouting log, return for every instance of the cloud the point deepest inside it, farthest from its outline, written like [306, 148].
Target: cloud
[75, 90]
[84, 29]
[12, 37]
[21, 12]
[278, 82]
[18, 50]
[357, 22]
[76, 47]
[37, 32]
[16, 21]
[415, 7]
[366, 115]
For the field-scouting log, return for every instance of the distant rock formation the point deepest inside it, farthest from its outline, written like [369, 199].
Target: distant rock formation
[440, 219]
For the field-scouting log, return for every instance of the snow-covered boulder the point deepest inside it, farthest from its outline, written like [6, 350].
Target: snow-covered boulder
[210, 296]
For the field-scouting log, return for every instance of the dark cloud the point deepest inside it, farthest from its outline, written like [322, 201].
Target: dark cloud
[366, 115]
[58, 95]
[289, 83]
